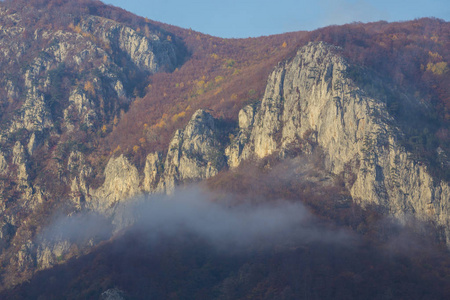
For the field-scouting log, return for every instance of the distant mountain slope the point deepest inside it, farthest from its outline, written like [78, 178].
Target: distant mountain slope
[99, 105]
[66, 75]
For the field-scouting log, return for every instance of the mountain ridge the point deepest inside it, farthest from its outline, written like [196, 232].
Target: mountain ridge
[97, 128]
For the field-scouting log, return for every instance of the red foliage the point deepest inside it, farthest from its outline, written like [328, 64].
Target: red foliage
[401, 52]
[398, 51]
[220, 75]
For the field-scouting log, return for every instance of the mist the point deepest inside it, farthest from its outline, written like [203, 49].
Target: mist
[190, 211]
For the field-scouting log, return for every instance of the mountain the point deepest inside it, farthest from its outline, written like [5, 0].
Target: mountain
[103, 112]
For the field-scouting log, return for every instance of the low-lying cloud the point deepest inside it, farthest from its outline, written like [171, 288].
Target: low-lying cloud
[190, 211]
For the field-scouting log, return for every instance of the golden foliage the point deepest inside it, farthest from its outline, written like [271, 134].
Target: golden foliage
[178, 116]
[438, 68]
[89, 36]
[161, 123]
[435, 55]
[117, 149]
[77, 28]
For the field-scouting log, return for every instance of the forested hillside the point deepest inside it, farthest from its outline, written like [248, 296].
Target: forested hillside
[100, 107]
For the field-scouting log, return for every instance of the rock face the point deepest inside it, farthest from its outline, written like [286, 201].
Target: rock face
[34, 114]
[193, 154]
[148, 51]
[310, 97]
[62, 84]
[121, 183]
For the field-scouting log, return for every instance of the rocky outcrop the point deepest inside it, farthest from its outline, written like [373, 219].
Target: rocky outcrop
[235, 151]
[309, 101]
[83, 106]
[50, 254]
[24, 256]
[152, 172]
[79, 171]
[112, 294]
[62, 85]
[194, 153]
[3, 164]
[34, 114]
[31, 196]
[121, 183]
[20, 161]
[147, 51]
[311, 97]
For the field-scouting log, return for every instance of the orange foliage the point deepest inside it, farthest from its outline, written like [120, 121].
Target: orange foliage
[229, 68]
[89, 87]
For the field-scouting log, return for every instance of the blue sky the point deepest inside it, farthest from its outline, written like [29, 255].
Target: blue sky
[251, 18]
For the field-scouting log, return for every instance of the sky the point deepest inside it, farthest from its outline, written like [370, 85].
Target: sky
[253, 18]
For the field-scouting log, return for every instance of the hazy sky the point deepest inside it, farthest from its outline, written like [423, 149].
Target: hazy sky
[251, 18]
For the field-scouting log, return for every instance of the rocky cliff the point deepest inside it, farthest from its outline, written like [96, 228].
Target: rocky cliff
[194, 154]
[61, 87]
[312, 98]
[310, 102]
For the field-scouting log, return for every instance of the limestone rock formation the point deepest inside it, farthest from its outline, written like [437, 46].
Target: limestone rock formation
[311, 97]
[121, 183]
[49, 254]
[146, 51]
[62, 85]
[20, 161]
[152, 172]
[193, 153]
[34, 114]
[79, 171]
